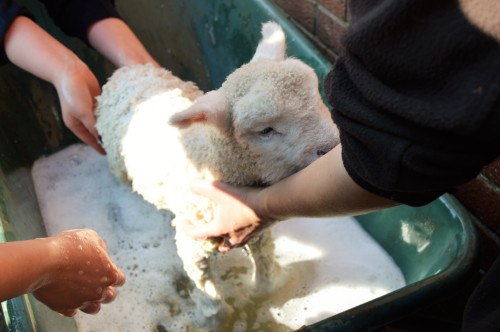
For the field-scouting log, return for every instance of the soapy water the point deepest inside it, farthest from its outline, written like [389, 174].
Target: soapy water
[329, 264]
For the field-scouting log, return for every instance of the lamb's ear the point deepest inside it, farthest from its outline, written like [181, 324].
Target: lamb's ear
[272, 46]
[211, 108]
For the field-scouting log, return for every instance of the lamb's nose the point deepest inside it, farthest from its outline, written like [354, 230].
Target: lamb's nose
[320, 152]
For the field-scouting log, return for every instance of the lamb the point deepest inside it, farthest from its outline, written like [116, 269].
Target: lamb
[264, 123]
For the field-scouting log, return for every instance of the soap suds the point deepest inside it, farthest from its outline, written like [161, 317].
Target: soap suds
[330, 264]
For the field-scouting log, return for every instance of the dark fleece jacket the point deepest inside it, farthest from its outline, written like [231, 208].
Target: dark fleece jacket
[74, 17]
[415, 97]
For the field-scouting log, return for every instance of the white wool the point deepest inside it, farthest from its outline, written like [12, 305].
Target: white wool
[266, 122]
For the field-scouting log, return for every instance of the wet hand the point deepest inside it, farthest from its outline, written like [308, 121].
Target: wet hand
[238, 216]
[82, 276]
[77, 89]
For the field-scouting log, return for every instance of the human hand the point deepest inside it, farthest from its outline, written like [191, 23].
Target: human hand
[77, 88]
[82, 275]
[238, 217]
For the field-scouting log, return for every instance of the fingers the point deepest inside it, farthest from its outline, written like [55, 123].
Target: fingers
[200, 232]
[86, 277]
[208, 231]
[77, 97]
[120, 278]
[203, 188]
[235, 221]
[224, 242]
[68, 313]
[91, 308]
[236, 239]
[109, 295]
[84, 133]
[228, 243]
[93, 142]
[216, 190]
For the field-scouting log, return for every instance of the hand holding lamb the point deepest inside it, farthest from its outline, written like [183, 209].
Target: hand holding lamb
[266, 122]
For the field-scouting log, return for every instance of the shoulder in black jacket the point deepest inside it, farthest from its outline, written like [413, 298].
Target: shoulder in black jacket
[416, 97]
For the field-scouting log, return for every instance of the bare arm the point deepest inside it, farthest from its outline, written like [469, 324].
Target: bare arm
[29, 47]
[67, 272]
[324, 188]
[116, 41]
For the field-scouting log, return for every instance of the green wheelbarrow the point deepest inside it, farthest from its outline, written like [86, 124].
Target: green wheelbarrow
[204, 41]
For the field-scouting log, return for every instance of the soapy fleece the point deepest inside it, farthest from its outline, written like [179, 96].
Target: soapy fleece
[331, 264]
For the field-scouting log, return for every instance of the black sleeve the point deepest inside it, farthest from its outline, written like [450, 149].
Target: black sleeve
[9, 10]
[75, 17]
[482, 310]
[416, 97]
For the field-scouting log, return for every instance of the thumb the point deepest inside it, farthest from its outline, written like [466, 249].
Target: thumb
[199, 231]
[216, 191]
[211, 190]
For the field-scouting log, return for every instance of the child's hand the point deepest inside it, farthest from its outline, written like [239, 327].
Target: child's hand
[236, 220]
[82, 276]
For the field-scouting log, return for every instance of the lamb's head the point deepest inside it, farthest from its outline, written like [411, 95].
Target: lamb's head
[272, 108]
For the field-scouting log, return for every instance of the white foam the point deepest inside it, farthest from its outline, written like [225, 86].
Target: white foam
[331, 264]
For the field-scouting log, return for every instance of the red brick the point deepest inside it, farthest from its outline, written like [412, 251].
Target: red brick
[303, 11]
[482, 201]
[492, 172]
[329, 30]
[337, 7]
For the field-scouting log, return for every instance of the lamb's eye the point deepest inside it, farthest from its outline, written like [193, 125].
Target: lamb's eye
[266, 131]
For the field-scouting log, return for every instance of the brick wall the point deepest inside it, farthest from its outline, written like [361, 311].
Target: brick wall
[323, 21]
[481, 196]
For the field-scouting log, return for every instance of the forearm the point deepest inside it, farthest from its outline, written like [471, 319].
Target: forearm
[324, 188]
[24, 265]
[67, 271]
[31, 48]
[115, 40]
